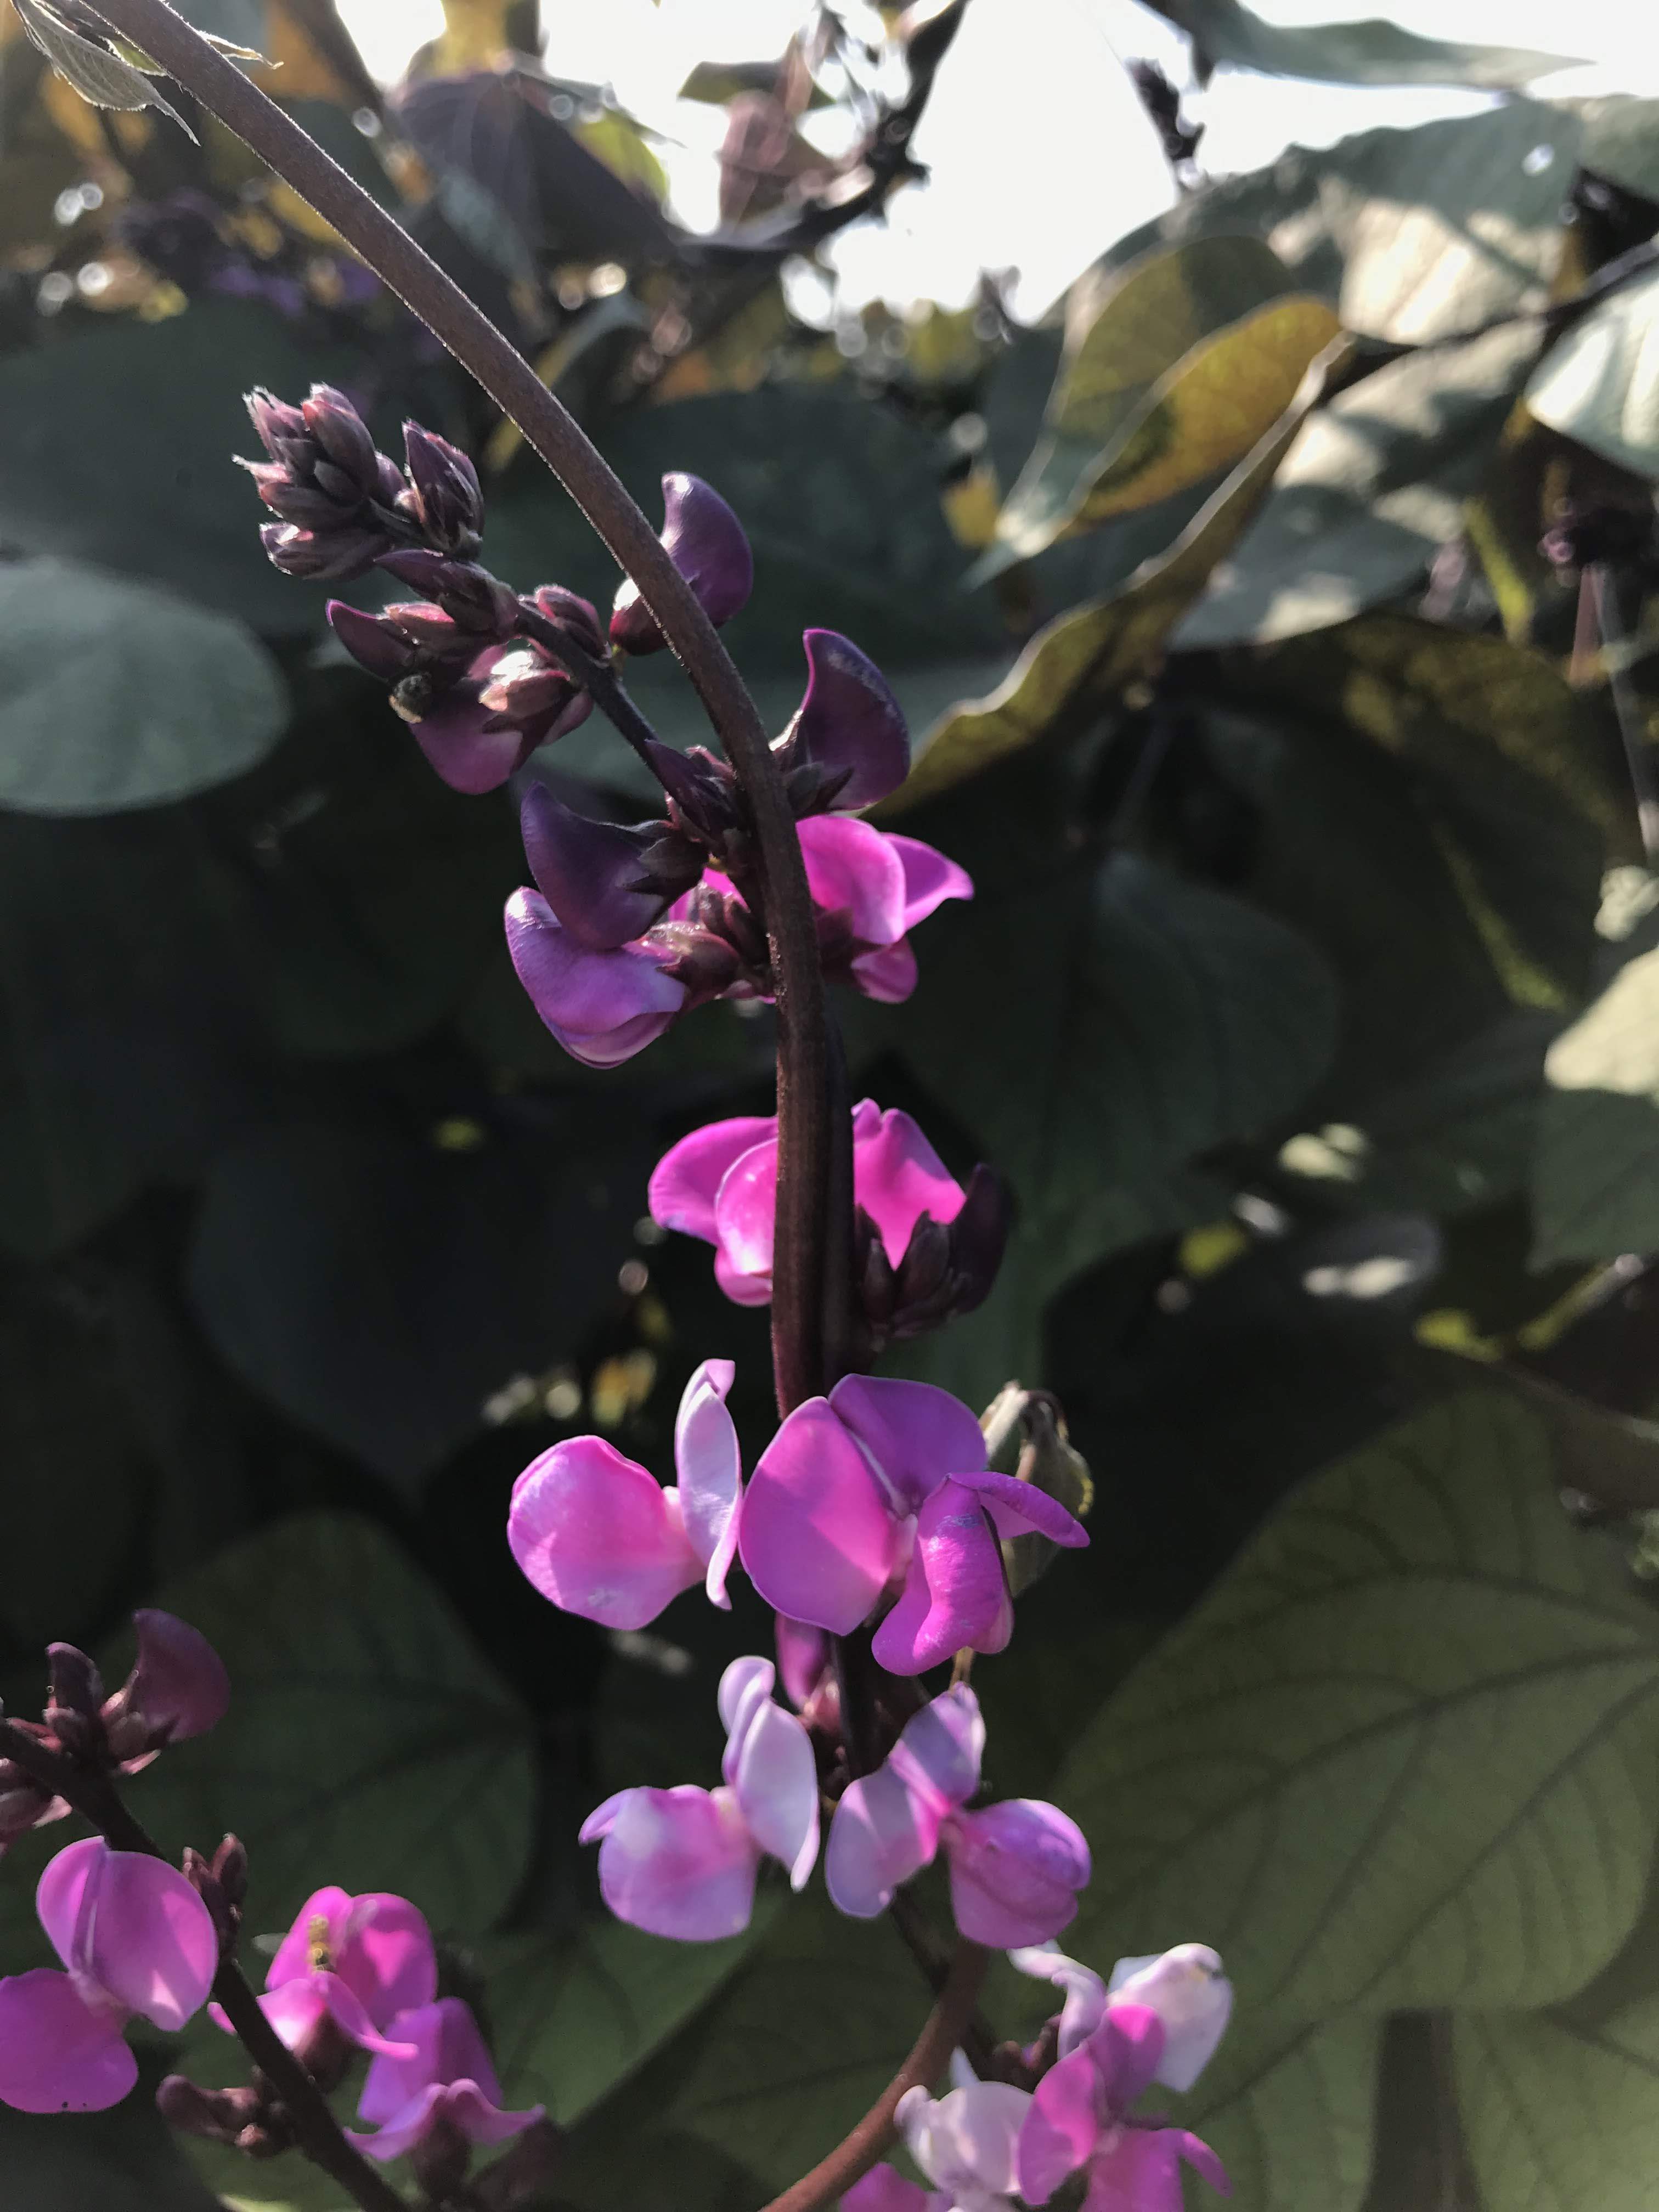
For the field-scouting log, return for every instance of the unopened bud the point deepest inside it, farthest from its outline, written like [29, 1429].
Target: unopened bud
[606, 882]
[230, 1871]
[706, 543]
[703, 788]
[576, 619]
[76, 1686]
[444, 494]
[473, 599]
[216, 2115]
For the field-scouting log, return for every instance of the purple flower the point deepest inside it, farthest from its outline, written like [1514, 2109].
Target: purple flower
[681, 1863]
[444, 2087]
[177, 1688]
[849, 744]
[883, 1478]
[1160, 2019]
[603, 1007]
[964, 2142]
[870, 889]
[705, 541]
[597, 1535]
[1016, 1867]
[720, 1183]
[135, 1938]
[350, 1964]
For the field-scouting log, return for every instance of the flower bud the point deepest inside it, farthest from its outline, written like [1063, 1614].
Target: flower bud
[706, 543]
[849, 744]
[569, 612]
[472, 598]
[444, 494]
[605, 883]
[703, 788]
[373, 642]
[947, 1268]
[24, 1804]
[525, 686]
[335, 495]
[76, 1686]
[229, 1870]
[216, 2115]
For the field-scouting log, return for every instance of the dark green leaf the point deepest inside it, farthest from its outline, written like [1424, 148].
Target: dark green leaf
[114, 695]
[1561, 2117]
[124, 2161]
[1596, 1175]
[1293, 2119]
[1375, 52]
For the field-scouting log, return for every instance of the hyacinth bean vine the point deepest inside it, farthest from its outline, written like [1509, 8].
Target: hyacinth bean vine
[871, 1523]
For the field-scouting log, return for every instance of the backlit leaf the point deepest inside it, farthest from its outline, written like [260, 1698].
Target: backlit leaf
[1375, 51]
[1599, 382]
[1595, 1175]
[1560, 2116]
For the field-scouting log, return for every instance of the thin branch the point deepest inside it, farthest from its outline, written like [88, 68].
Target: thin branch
[548, 427]
[1602, 589]
[316, 2130]
[875, 2132]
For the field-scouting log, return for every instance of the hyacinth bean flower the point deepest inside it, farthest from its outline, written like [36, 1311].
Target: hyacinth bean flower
[355, 1962]
[1015, 1867]
[597, 1534]
[848, 745]
[177, 1688]
[134, 1937]
[706, 543]
[681, 1863]
[1160, 2019]
[883, 1478]
[1185, 1987]
[964, 2142]
[721, 1183]
[870, 889]
[446, 2085]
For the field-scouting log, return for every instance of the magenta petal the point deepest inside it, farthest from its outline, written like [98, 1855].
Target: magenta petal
[438, 2042]
[939, 1753]
[1062, 2127]
[1084, 1991]
[882, 1832]
[1202, 2160]
[710, 1471]
[770, 1768]
[1016, 1869]
[883, 2189]
[1128, 2047]
[897, 1176]
[745, 1210]
[350, 2016]
[816, 1534]
[134, 1925]
[598, 1536]
[852, 869]
[58, 2052]
[849, 722]
[915, 1433]
[1140, 2171]
[407, 2126]
[602, 1006]
[386, 1957]
[929, 879]
[178, 1683]
[687, 1178]
[1015, 1506]
[293, 2007]
[803, 1656]
[324, 1917]
[956, 1594]
[678, 1862]
[469, 2109]
[889, 974]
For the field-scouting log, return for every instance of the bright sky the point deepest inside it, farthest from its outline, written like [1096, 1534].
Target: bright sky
[1039, 152]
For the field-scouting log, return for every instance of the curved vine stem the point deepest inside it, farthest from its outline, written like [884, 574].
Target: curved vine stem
[316, 2130]
[548, 426]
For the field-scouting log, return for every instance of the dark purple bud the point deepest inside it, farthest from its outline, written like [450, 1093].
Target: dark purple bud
[444, 496]
[23, 1803]
[979, 1237]
[229, 1870]
[607, 883]
[705, 541]
[704, 959]
[849, 744]
[315, 557]
[525, 686]
[577, 617]
[280, 427]
[703, 788]
[216, 2115]
[523, 2176]
[206, 1884]
[178, 1687]
[76, 1686]
[373, 642]
[469, 595]
[438, 2159]
[344, 435]
[926, 1265]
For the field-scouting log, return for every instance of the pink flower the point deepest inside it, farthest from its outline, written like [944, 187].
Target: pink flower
[681, 1863]
[445, 2086]
[1159, 2020]
[720, 1183]
[351, 1963]
[603, 1007]
[872, 889]
[883, 1478]
[597, 1535]
[135, 1938]
[1015, 1867]
[1185, 1987]
[964, 2142]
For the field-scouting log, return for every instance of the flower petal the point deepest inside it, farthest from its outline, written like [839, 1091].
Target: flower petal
[134, 1925]
[966, 2141]
[770, 1768]
[59, 2053]
[387, 1956]
[1127, 2046]
[746, 1215]
[884, 2189]
[915, 1432]
[881, 1833]
[598, 1536]
[436, 2042]
[888, 974]
[818, 1535]
[710, 1470]
[1192, 1998]
[849, 720]
[1016, 1506]
[404, 2130]
[687, 1178]
[929, 879]
[678, 1862]
[897, 1176]
[1016, 1869]
[1084, 1991]
[602, 1006]
[853, 869]
[940, 1750]
[457, 738]
[1062, 2127]
[956, 1593]
[586, 870]
[803, 1656]
[1141, 2171]
[178, 1682]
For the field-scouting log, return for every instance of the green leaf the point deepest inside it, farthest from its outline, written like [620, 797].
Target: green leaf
[367, 1743]
[1403, 1755]
[1372, 488]
[1126, 332]
[1086, 657]
[1595, 1175]
[1154, 1019]
[114, 695]
[1375, 52]
[1599, 383]
[1621, 140]
[101, 77]
[122, 2161]
[1411, 234]
[1560, 2116]
[1292, 2119]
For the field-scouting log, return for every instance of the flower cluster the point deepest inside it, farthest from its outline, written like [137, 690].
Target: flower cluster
[989, 2145]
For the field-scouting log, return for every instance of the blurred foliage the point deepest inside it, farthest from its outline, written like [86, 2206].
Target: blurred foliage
[1309, 1000]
